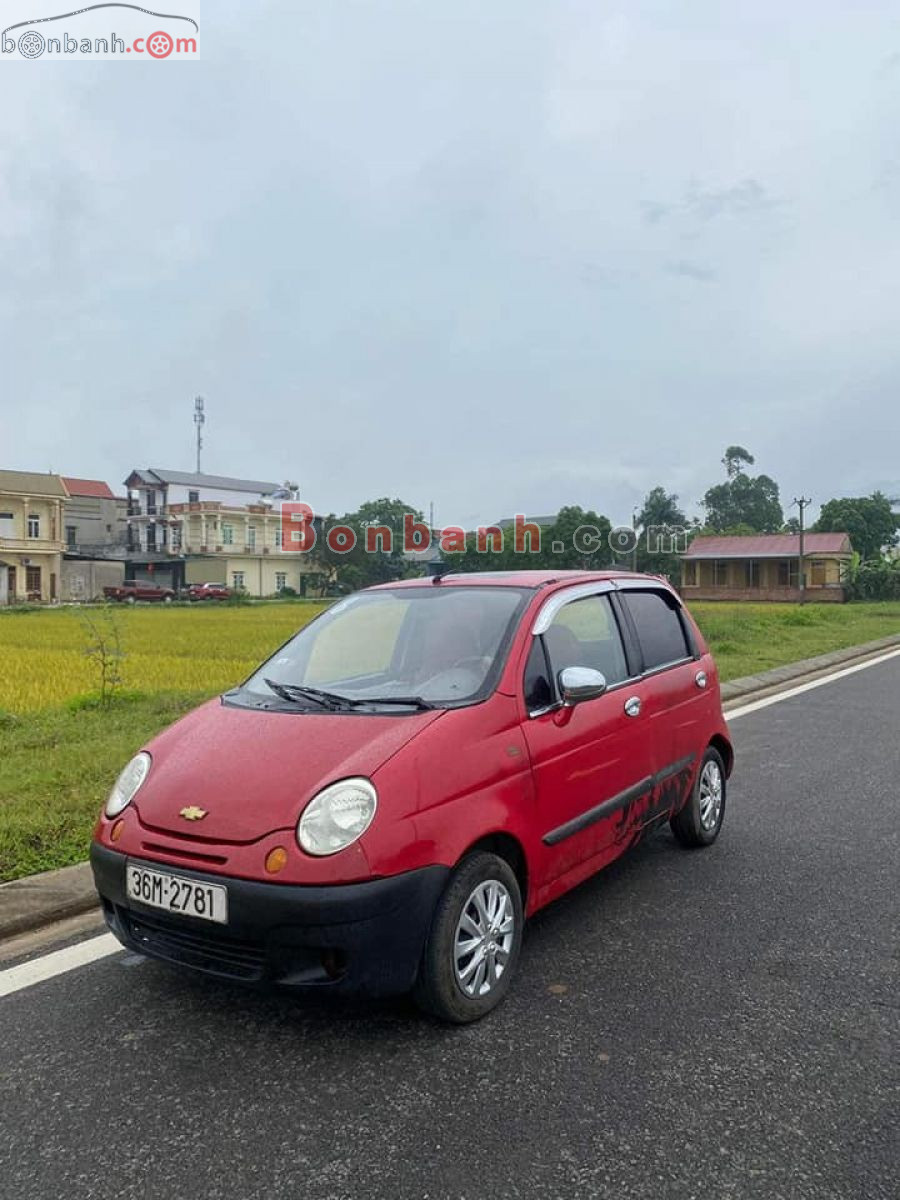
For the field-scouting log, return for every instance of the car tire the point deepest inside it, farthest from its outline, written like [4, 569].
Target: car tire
[474, 941]
[699, 822]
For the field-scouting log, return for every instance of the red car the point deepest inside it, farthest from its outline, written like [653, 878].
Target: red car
[208, 591]
[421, 767]
[129, 593]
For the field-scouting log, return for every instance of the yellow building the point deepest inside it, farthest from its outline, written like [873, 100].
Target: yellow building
[185, 527]
[766, 566]
[31, 535]
[239, 546]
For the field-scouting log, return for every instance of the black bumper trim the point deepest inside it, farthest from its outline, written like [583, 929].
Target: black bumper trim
[360, 937]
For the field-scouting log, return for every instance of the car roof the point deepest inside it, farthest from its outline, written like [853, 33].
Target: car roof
[533, 580]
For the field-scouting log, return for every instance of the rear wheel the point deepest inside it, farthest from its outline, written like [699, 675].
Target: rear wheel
[699, 822]
[474, 941]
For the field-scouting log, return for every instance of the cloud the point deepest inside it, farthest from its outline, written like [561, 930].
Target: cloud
[688, 270]
[706, 204]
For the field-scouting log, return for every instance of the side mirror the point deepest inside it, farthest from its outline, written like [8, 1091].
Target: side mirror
[577, 684]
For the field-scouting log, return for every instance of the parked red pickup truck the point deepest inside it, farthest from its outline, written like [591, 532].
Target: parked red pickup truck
[131, 592]
[208, 591]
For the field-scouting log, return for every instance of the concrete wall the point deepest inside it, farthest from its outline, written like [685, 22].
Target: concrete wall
[261, 574]
[814, 595]
[95, 520]
[85, 579]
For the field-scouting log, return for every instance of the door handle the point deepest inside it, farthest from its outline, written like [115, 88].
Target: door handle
[700, 679]
[632, 706]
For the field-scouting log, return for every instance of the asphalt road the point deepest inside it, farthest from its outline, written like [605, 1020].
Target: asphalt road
[717, 1023]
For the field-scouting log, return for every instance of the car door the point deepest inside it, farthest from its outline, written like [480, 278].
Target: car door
[676, 682]
[592, 761]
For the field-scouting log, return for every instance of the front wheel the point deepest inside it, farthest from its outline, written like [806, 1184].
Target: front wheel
[699, 822]
[474, 941]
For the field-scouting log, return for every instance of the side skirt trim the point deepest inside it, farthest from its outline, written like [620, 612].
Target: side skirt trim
[600, 811]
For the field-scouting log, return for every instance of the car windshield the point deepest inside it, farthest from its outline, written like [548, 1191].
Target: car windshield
[430, 645]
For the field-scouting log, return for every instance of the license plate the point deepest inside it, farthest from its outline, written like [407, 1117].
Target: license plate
[175, 894]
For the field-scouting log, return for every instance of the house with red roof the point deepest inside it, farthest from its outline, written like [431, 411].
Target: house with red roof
[766, 566]
[94, 538]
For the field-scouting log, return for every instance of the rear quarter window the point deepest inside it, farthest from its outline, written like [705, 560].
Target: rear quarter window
[658, 626]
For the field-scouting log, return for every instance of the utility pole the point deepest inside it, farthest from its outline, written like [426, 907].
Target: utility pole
[634, 549]
[802, 503]
[199, 419]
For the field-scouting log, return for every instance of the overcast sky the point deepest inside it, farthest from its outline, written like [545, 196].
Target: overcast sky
[504, 255]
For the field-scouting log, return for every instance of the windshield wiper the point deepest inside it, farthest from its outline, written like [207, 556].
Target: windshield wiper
[296, 694]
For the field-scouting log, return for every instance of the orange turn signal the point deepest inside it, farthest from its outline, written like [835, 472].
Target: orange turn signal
[276, 859]
[117, 830]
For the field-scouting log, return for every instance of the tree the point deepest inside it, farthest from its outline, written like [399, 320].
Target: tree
[658, 550]
[359, 567]
[580, 538]
[734, 459]
[661, 509]
[743, 499]
[868, 520]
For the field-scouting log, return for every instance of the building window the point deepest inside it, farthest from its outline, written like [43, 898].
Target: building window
[278, 536]
[751, 573]
[151, 502]
[788, 574]
[227, 535]
[34, 525]
[690, 574]
[33, 581]
[176, 537]
[193, 497]
[817, 572]
[237, 580]
[251, 537]
[720, 572]
[71, 535]
[280, 580]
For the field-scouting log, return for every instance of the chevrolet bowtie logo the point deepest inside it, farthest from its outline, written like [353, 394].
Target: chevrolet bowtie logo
[193, 813]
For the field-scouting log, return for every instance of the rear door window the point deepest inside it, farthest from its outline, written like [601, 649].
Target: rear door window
[658, 626]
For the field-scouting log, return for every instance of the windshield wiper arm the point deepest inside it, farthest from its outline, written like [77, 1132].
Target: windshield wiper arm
[295, 693]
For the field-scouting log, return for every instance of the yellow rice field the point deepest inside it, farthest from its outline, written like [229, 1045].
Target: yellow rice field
[188, 650]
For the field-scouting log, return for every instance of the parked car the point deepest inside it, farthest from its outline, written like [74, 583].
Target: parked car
[208, 591]
[129, 593]
[386, 799]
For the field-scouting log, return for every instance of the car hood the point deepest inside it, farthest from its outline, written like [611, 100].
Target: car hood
[253, 771]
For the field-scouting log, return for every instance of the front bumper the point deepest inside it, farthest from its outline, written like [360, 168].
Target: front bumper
[358, 937]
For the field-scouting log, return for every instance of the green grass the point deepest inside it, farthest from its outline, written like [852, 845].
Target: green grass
[60, 754]
[748, 638]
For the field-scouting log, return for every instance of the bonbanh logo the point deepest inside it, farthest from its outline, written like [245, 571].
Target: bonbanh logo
[74, 35]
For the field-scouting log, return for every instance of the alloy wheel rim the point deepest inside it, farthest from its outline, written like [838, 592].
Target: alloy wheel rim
[710, 796]
[484, 939]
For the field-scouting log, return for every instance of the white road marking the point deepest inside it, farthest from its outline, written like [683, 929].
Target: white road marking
[38, 969]
[755, 705]
[14, 979]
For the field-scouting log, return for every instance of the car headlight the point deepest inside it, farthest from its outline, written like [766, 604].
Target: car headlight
[126, 786]
[337, 816]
